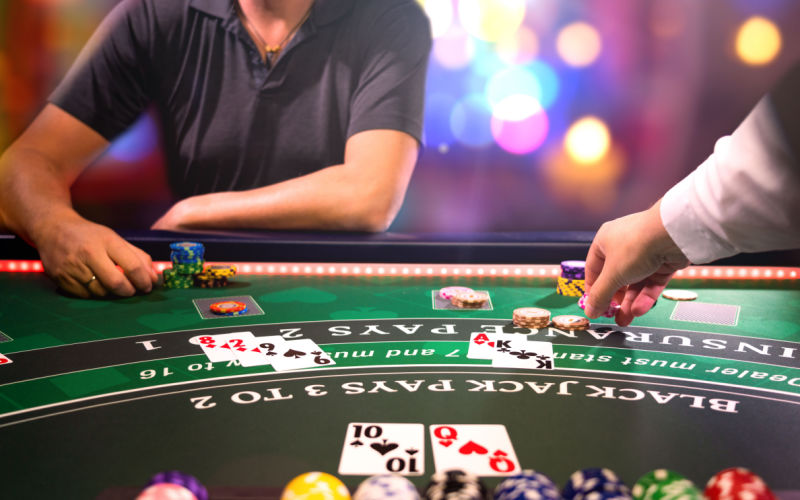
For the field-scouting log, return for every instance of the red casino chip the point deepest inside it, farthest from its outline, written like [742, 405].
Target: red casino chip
[228, 307]
[737, 483]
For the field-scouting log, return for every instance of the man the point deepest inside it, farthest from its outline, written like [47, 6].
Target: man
[744, 198]
[276, 114]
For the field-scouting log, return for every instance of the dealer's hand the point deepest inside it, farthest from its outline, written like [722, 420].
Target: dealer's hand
[87, 259]
[631, 260]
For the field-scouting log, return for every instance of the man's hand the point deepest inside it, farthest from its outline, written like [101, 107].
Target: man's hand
[87, 259]
[631, 260]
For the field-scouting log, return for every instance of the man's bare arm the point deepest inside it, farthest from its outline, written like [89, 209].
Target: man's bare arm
[362, 194]
[36, 173]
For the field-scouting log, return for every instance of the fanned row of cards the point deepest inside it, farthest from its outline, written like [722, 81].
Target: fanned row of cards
[274, 350]
[378, 448]
[511, 350]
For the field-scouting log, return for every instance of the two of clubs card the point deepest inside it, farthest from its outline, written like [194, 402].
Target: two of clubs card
[274, 350]
[511, 350]
[379, 448]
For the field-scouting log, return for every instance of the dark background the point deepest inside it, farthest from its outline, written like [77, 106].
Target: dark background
[667, 80]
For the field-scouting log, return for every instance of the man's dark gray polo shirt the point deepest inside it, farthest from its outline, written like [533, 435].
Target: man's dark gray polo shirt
[229, 120]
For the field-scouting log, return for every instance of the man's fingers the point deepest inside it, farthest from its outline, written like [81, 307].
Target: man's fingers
[136, 266]
[109, 276]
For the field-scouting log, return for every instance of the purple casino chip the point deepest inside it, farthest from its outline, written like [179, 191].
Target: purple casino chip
[181, 479]
[573, 266]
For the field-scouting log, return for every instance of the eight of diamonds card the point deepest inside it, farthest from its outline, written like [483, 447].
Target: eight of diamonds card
[371, 448]
[484, 450]
[4, 360]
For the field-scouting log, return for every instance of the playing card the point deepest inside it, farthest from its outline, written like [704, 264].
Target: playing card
[212, 348]
[297, 354]
[515, 351]
[481, 345]
[248, 349]
[268, 345]
[484, 450]
[371, 448]
[4, 360]
[234, 342]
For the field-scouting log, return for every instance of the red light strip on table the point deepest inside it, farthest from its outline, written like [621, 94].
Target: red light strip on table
[445, 270]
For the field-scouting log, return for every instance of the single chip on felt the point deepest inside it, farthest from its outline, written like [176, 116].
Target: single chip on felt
[448, 292]
[315, 486]
[571, 322]
[737, 483]
[166, 491]
[174, 485]
[227, 307]
[674, 294]
[385, 486]
[455, 484]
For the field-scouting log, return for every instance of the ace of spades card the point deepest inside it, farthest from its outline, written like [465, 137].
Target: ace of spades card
[297, 354]
[380, 448]
[484, 450]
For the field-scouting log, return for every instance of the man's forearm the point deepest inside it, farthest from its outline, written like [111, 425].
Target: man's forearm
[31, 195]
[334, 198]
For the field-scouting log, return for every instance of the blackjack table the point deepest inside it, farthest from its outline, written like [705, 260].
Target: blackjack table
[97, 396]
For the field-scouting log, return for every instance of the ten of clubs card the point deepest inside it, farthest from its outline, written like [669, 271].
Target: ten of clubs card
[484, 450]
[374, 448]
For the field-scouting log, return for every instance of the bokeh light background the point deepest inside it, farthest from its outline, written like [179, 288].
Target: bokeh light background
[540, 114]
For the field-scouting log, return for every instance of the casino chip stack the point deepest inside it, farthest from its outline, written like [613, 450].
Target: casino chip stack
[595, 484]
[531, 317]
[214, 276]
[664, 484]
[187, 261]
[469, 300]
[737, 483]
[386, 486]
[526, 485]
[174, 485]
[572, 282]
[455, 485]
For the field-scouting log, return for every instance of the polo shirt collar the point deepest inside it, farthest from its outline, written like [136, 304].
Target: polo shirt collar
[323, 12]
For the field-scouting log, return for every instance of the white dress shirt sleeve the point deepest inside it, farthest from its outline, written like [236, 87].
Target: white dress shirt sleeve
[744, 198]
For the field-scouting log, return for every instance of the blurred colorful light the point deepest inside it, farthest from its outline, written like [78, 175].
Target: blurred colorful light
[470, 121]
[587, 141]
[510, 82]
[520, 136]
[438, 108]
[758, 41]
[491, 20]
[548, 82]
[519, 48]
[578, 44]
[454, 49]
[440, 13]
